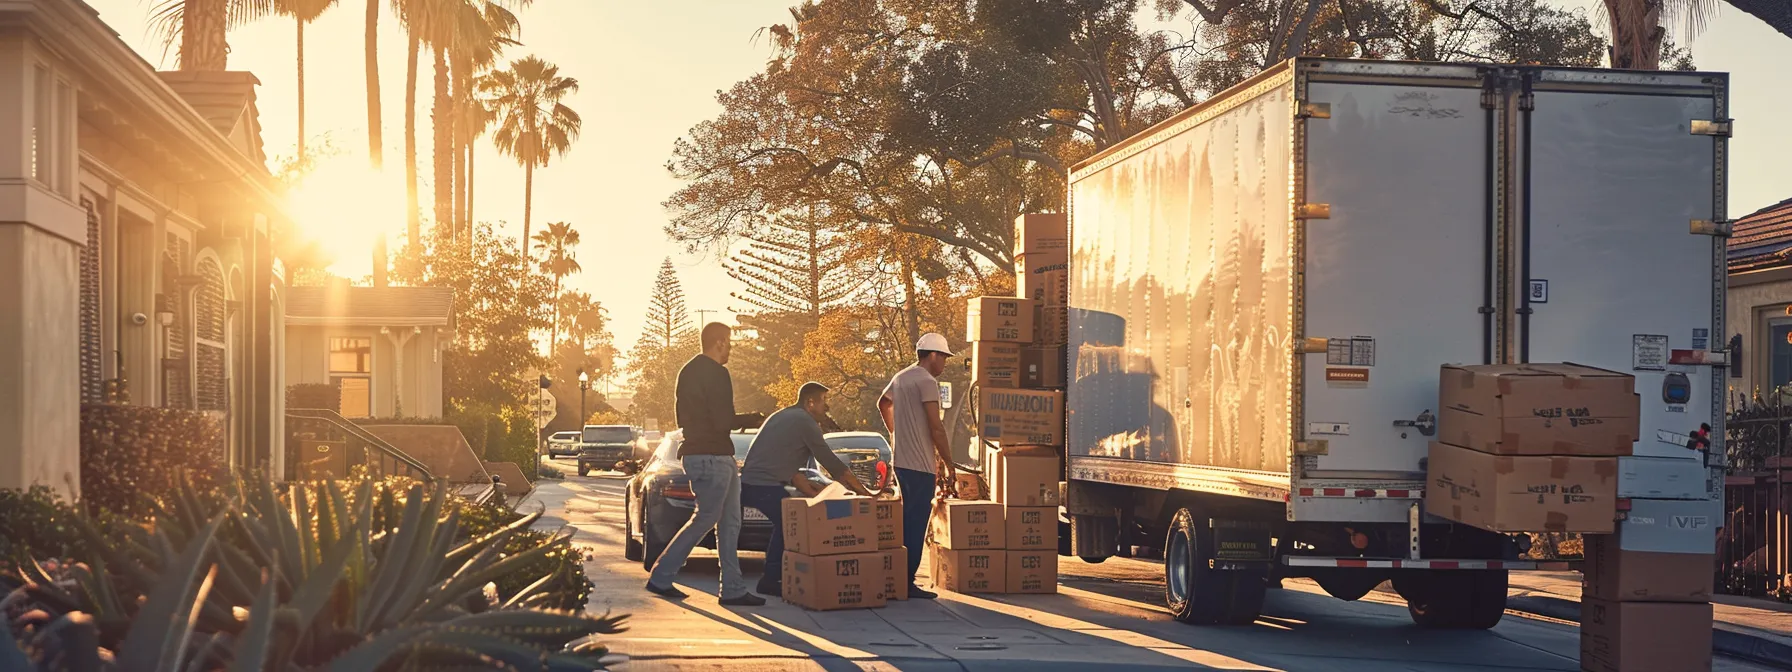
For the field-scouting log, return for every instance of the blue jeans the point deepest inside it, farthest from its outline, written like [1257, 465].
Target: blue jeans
[769, 499]
[716, 481]
[917, 507]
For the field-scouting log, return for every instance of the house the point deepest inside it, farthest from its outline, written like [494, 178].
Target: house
[380, 346]
[137, 262]
[1759, 305]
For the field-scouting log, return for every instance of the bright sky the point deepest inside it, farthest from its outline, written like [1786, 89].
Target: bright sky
[649, 71]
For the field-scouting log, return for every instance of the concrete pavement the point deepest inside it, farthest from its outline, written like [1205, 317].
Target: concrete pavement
[1107, 615]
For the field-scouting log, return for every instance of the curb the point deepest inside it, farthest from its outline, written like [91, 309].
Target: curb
[1724, 642]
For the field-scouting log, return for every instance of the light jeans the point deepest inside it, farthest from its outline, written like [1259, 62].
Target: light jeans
[716, 481]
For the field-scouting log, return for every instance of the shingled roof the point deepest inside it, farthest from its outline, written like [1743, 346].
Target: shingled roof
[370, 306]
[227, 101]
[1762, 241]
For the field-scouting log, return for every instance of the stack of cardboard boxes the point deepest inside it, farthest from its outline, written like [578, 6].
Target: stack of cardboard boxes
[1042, 273]
[837, 554]
[988, 547]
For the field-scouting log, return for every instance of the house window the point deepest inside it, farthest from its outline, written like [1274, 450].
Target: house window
[351, 371]
[1779, 353]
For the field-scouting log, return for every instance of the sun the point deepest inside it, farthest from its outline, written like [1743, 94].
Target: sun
[344, 205]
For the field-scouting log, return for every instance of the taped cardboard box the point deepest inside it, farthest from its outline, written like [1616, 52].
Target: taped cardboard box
[1031, 528]
[1539, 391]
[1041, 233]
[1520, 493]
[1043, 278]
[1021, 417]
[889, 522]
[1617, 575]
[970, 571]
[895, 573]
[996, 364]
[1024, 475]
[1006, 319]
[834, 521]
[1042, 367]
[1589, 437]
[842, 581]
[962, 525]
[1644, 636]
[1031, 572]
[1052, 327]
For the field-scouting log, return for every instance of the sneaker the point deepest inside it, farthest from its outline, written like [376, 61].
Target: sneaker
[770, 589]
[744, 600]
[669, 591]
[916, 593]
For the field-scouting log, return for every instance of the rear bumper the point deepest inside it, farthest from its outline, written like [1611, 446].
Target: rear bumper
[755, 535]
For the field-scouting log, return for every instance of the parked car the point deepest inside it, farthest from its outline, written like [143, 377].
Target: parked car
[563, 443]
[866, 453]
[602, 446]
[659, 500]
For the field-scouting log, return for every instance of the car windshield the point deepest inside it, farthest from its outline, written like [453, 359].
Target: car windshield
[609, 435]
[566, 436]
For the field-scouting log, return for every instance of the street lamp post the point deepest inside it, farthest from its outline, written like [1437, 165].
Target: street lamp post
[584, 384]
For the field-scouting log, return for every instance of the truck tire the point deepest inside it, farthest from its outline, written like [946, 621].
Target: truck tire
[583, 470]
[1198, 594]
[632, 549]
[1454, 599]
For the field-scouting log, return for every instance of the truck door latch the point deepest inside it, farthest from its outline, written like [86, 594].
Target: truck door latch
[1426, 423]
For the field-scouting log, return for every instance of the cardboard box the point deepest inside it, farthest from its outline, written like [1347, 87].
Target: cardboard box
[1539, 391]
[1043, 278]
[1041, 233]
[895, 573]
[829, 523]
[1021, 417]
[1590, 437]
[1031, 528]
[962, 525]
[1042, 367]
[1053, 326]
[889, 522]
[1644, 636]
[1000, 318]
[1032, 572]
[827, 582]
[1024, 475]
[1684, 477]
[970, 487]
[996, 364]
[1522, 493]
[1617, 575]
[970, 571]
[1671, 526]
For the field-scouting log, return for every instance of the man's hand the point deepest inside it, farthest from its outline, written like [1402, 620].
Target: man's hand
[947, 475]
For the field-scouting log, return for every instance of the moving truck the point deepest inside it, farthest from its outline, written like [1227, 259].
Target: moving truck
[1264, 288]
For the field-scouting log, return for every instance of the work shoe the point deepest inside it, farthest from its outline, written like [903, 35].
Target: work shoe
[770, 589]
[916, 593]
[668, 592]
[744, 600]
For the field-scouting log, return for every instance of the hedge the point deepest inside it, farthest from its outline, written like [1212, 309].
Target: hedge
[131, 453]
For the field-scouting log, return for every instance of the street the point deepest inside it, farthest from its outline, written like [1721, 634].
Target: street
[1108, 614]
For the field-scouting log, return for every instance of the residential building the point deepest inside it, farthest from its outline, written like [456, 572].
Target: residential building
[136, 248]
[1759, 311]
[381, 346]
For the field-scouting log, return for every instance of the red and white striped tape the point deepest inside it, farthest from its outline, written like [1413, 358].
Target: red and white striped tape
[1388, 563]
[1359, 493]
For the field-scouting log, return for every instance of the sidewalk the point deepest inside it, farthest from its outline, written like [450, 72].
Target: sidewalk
[1751, 629]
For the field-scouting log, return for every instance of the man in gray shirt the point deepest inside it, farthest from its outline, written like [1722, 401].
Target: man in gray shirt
[785, 443]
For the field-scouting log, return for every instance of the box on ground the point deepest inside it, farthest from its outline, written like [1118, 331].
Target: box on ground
[970, 571]
[996, 364]
[830, 523]
[1589, 437]
[1042, 367]
[962, 525]
[889, 522]
[1052, 327]
[1539, 391]
[1617, 575]
[842, 581]
[1024, 475]
[895, 573]
[1031, 572]
[1031, 528]
[1041, 233]
[1644, 636]
[1043, 278]
[1021, 417]
[1000, 318]
[1522, 493]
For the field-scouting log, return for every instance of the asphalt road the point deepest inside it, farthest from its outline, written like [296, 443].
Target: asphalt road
[1108, 616]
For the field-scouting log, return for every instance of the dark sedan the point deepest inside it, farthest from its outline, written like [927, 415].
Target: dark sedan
[663, 491]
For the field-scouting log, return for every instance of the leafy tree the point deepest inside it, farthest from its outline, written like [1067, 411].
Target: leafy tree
[534, 124]
[791, 265]
[666, 343]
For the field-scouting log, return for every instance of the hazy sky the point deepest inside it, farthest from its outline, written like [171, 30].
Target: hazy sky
[650, 70]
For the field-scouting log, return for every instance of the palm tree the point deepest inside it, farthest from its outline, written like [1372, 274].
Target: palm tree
[534, 125]
[376, 153]
[475, 119]
[200, 28]
[556, 243]
[464, 36]
[303, 12]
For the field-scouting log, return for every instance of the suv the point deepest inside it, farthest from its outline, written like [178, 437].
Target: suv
[563, 443]
[602, 446]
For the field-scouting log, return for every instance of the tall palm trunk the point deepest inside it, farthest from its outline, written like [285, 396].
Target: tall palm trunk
[528, 205]
[462, 81]
[203, 45]
[1636, 34]
[375, 143]
[471, 218]
[442, 123]
[414, 221]
[301, 43]
[554, 332]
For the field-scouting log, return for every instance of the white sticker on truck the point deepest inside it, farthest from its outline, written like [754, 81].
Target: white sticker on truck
[1328, 429]
[1648, 352]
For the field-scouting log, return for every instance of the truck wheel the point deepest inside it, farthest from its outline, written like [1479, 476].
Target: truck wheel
[1198, 594]
[1454, 599]
[631, 547]
[583, 470]
[651, 545]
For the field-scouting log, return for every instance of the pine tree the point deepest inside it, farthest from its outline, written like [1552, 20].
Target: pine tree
[666, 342]
[667, 318]
[793, 265]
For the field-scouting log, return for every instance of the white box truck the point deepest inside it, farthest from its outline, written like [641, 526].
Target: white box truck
[1264, 287]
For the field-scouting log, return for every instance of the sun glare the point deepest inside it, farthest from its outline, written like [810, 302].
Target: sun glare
[344, 205]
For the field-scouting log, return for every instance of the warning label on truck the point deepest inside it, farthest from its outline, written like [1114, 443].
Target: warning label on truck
[1358, 351]
[1648, 352]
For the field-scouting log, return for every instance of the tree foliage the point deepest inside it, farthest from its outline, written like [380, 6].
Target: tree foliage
[666, 343]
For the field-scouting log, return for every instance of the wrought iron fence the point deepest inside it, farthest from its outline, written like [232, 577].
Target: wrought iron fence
[1752, 546]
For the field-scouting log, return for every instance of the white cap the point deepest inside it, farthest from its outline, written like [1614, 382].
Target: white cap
[934, 342]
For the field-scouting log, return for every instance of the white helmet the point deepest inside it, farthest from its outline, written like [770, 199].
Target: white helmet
[934, 342]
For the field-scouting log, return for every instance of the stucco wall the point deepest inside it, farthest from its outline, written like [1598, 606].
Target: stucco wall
[1748, 308]
[40, 397]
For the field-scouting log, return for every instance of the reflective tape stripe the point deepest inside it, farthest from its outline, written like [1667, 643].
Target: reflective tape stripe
[1376, 563]
[1361, 494]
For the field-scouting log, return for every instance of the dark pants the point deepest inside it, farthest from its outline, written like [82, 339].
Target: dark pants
[769, 499]
[917, 507]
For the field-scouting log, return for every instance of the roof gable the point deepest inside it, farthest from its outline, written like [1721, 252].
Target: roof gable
[226, 100]
[370, 306]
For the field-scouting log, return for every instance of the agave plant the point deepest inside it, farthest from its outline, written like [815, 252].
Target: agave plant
[317, 579]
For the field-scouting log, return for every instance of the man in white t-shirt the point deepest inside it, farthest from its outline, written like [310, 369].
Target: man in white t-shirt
[910, 407]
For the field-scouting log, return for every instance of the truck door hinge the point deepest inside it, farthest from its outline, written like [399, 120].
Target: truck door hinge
[1312, 346]
[1312, 447]
[1713, 127]
[1720, 228]
[1311, 110]
[1313, 211]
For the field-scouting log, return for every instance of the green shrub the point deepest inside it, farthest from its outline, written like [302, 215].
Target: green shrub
[569, 589]
[314, 396]
[131, 454]
[38, 522]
